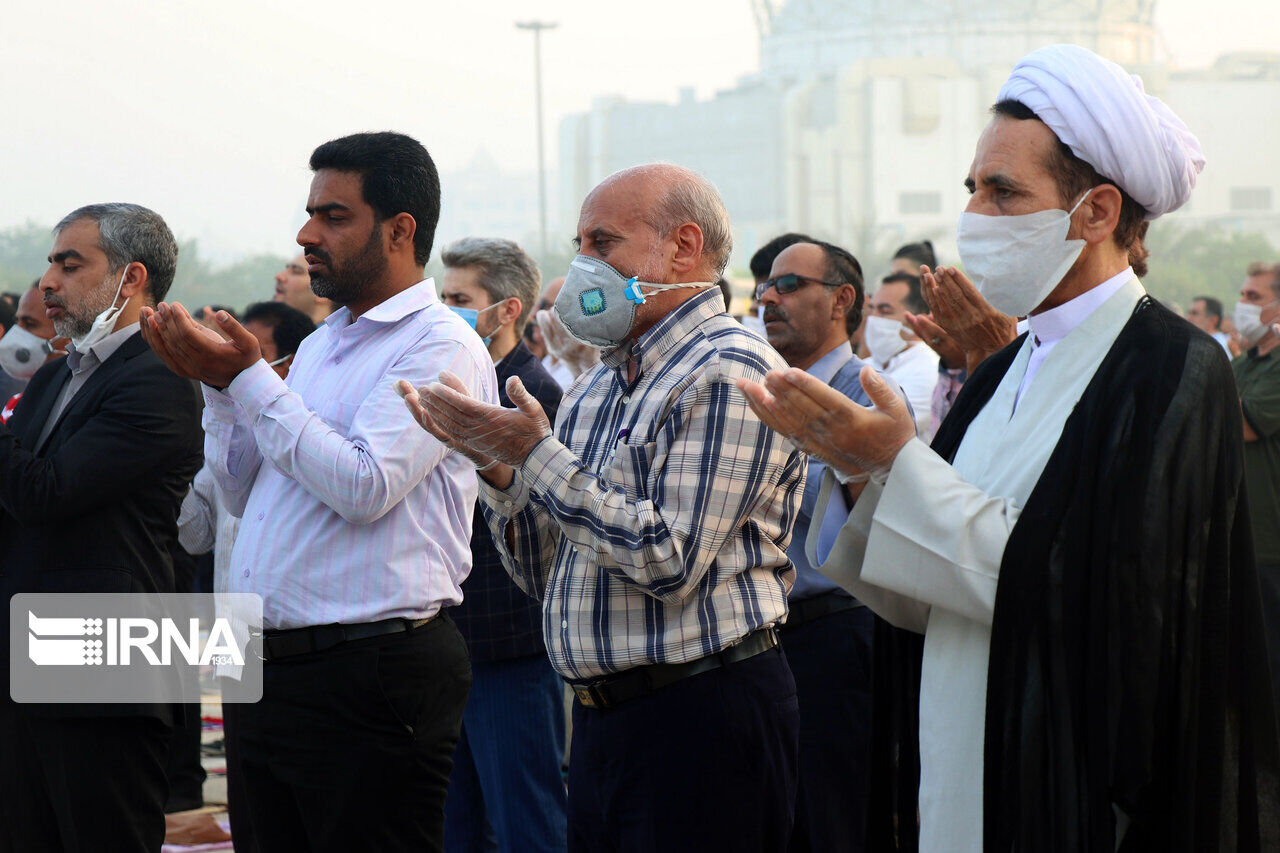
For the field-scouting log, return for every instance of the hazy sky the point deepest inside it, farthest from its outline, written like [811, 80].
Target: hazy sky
[207, 111]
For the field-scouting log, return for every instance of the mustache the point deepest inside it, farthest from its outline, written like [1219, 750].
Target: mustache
[320, 255]
[51, 301]
[772, 313]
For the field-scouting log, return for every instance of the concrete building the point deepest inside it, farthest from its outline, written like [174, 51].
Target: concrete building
[860, 125]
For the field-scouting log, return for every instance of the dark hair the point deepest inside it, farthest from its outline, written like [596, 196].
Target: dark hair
[843, 268]
[1212, 306]
[1074, 176]
[130, 233]
[918, 253]
[915, 298]
[397, 175]
[762, 260]
[214, 309]
[288, 325]
[8, 316]
[726, 290]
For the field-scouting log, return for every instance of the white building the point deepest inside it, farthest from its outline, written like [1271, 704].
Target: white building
[861, 123]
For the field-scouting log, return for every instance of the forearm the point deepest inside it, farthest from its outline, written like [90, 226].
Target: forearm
[664, 550]
[936, 538]
[230, 451]
[842, 559]
[523, 534]
[359, 470]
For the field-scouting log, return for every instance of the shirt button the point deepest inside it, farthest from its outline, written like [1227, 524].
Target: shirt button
[564, 623]
[246, 573]
[626, 398]
[337, 359]
[261, 516]
[507, 504]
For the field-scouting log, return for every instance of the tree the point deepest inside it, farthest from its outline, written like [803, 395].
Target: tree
[24, 250]
[1208, 261]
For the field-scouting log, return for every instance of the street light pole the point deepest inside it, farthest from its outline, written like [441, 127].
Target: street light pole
[537, 27]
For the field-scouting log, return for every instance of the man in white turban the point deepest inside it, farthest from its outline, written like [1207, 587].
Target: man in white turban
[1074, 544]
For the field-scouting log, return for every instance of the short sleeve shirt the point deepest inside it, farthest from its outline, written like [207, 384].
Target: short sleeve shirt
[1258, 381]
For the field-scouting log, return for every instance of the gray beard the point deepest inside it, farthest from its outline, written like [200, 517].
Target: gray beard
[77, 325]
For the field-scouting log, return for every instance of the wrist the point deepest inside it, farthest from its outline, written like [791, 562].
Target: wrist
[499, 477]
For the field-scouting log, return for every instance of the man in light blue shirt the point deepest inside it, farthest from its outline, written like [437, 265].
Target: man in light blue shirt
[812, 301]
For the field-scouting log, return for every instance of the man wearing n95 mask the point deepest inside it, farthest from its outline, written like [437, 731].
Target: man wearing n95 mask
[28, 345]
[653, 524]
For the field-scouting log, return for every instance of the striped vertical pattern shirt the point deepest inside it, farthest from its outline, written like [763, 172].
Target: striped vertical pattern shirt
[351, 512]
[655, 525]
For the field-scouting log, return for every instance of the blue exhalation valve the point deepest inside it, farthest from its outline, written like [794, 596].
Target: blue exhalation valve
[632, 291]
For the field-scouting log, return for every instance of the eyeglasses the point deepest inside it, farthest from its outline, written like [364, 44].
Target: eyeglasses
[789, 283]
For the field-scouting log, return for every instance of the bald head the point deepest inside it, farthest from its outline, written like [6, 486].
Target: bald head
[667, 199]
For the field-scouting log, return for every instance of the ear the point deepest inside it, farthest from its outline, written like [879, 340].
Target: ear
[135, 280]
[510, 310]
[845, 294]
[1099, 214]
[403, 228]
[688, 248]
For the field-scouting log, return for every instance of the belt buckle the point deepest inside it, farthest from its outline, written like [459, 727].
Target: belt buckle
[588, 695]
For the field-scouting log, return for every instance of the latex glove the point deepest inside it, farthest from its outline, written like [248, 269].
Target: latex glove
[482, 432]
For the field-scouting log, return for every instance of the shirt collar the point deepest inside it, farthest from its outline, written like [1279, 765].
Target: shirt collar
[1055, 324]
[390, 310]
[825, 368]
[667, 332]
[101, 351]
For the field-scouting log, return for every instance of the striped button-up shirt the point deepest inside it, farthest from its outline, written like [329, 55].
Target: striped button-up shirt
[655, 525]
[351, 511]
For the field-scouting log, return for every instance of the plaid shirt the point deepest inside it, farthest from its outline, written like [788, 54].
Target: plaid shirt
[655, 528]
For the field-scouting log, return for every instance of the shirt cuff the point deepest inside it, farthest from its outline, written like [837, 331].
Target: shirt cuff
[218, 408]
[509, 501]
[548, 468]
[255, 388]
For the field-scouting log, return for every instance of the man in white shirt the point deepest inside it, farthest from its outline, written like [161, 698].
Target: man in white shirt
[895, 349]
[1073, 546]
[356, 524]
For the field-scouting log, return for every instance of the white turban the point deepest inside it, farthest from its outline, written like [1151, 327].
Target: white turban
[1103, 115]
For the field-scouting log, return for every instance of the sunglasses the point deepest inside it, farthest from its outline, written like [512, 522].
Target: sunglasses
[789, 283]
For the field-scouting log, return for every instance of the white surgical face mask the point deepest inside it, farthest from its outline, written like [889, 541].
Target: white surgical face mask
[22, 353]
[1017, 261]
[1249, 323]
[104, 322]
[597, 304]
[884, 338]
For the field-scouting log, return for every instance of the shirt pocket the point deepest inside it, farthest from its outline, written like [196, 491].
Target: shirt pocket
[630, 469]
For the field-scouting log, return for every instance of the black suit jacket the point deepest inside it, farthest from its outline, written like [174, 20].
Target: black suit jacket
[95, 507]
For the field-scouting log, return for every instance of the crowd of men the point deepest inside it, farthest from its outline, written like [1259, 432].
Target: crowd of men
[946, 560]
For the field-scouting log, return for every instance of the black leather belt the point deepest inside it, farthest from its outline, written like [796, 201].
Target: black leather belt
[808, 609]
[613, 690]
[317, 638]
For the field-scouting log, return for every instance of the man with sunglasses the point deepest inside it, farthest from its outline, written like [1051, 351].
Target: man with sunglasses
[810, 303]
